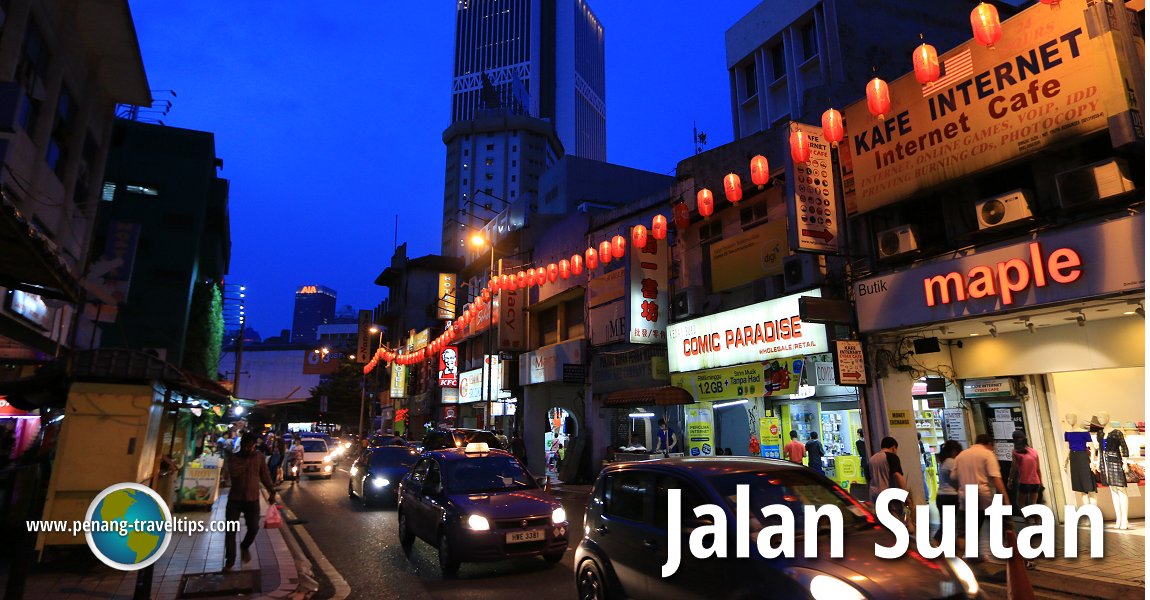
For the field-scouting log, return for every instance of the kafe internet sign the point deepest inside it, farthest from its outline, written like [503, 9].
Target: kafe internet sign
[754, 333]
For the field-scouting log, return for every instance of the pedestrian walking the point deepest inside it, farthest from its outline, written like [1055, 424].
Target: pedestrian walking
[247, 470]
[978, 466]
[276, 459]
[815, 452]
[795, 450]
[886, 473]
[947, 494]
[1025, 475]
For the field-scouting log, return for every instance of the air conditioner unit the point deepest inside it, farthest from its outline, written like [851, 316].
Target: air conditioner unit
[803, 270]
[998, 211]
[1093, 183]
[897, 241]
[688, 302]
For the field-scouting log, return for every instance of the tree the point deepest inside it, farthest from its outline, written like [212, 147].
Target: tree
[205, 330]
[343, 395]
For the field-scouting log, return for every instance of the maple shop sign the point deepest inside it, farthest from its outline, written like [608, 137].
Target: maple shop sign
[1069, 264]
[1054, 76]
[754, 333]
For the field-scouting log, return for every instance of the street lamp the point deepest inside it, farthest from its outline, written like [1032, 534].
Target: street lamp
[478, 242]
[363, 381]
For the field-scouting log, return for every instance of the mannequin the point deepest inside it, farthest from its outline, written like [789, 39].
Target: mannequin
[1111, 455]
[1078, 463]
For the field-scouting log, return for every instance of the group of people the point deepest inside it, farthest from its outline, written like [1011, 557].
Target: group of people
[283, 459]
[813, 450]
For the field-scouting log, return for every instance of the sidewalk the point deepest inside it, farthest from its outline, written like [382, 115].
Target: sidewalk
[272, 562]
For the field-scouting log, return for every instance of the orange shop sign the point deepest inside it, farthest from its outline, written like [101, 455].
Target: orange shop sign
[1005, 278]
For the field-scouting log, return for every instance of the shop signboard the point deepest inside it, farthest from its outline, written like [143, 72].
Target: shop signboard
[757, 380]
[700, 432]
[398, 381]
[606, 287]
[449, 395]
[901, 418]
[748, 256]
[988, 388]
[511, 324]
[320, 363]
[771, 437]
[629, 369]
[814, 215]
[955, 423]
[756, 333]
[850, 362]
[200, 486]
[821, 373]
[1056, 76]
[7, 410]
[1053, 267]
[649, 295]
[363, 345]
[449, 367]
[445, 305]
[471, 386]
[608, 323]
[546, 363]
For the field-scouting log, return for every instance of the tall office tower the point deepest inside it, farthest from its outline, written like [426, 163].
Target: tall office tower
[314, 306]
[529, 86]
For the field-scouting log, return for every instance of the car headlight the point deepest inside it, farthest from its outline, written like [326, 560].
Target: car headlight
[558, 515]
[478, 523]
[826, 587]
[379, 482]
[354, 470]
[327, 458]
[327, 468]
[964, 574]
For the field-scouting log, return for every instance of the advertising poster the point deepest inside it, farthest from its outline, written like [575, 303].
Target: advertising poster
[700, 432]
[748, 256]
[815, 209]
[771, 437]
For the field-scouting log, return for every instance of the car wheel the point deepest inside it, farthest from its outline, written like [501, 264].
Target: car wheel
[350, 493]
[591, 584]
[367, 500]
[553, 558]
[448, 564]
[406, 537]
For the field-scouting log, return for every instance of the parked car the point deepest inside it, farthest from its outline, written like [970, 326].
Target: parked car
[626, 541]
[476, 504]
[376, 473]
[458, 437]
[317, 460]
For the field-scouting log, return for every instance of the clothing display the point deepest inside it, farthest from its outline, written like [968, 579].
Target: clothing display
[1112, 465]
[1077, 440]
[1081, 477]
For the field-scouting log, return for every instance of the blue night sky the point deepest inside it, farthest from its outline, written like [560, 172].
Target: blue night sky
[329, 123]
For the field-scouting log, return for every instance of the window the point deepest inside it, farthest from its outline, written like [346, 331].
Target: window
[30, 74]
[109, 191]
[778, 61]
[489, 162]
[464, 181]
[549, 326]
[513, 177]
[573, 319]
[515, 148]
[488, 176]
[750, 85]
[710, 231]
[466, 152]
[490, 147]
[624, 497]
[514, 163]
[62, 124]
[752, 214]
[810, 41]
[689, 499]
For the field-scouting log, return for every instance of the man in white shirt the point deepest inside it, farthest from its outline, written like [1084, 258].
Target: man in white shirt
[978, 465]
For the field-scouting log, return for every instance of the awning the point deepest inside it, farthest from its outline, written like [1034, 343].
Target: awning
[667, 395]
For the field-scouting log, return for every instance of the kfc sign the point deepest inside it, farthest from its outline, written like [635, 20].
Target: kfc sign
[755, 333]
[448, 370]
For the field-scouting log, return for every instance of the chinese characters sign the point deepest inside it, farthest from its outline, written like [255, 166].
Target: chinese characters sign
[649, 291]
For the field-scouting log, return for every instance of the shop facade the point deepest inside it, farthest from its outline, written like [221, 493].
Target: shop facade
[1037, 336]
[554, 383]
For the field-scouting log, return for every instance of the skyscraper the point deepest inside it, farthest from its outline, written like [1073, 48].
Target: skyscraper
[529, 86]
[314, 306]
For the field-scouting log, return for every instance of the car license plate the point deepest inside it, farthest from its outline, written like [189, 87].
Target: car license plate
[533, 535]
[310, 469]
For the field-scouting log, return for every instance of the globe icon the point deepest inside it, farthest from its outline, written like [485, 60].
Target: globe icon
[128, 526]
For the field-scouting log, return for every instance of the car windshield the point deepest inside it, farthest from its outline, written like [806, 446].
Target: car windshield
[386, 440]
[314, 445]
[393, 456]
[792, 488]
[479, 474]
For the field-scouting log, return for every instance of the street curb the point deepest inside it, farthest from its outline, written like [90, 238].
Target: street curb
[317, 559]
[306, 586]
[1058, 583]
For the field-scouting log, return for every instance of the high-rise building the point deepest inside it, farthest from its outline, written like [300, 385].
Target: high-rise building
[529, 86]
[314, 306]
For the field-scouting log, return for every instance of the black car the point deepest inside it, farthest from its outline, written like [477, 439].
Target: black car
[379, 441]
[626, 540]
[438, 439]
[475, 504]
[376, 473]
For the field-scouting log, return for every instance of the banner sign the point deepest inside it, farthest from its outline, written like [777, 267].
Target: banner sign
[748, 256]
[608, 323]
[448, 367]
[988, 388]
[770, 437]
[511, 324]
[319, 363]
[546, 363]
[606, 287]
[1054, 267]
[649, 293]
[1055, 75]
[700, 432]
[398, 381]
[750, 334]
[901, 418]
[363, 347]
[445, 305]
[850, 362]
[758, 380]
[815, 212]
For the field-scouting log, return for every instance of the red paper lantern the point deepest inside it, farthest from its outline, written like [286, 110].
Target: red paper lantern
[733, 188]
[639, 237]
[540, 276]
[705, 201]
[760, 170]
[986, 25]
[833, 126]
[521, 279]
[878, 97]
[493, 284]
[592, 258]
[682, 216]
[576, 264]
[926, 69]
[800, 146]
[604, 252]
[530, 277]
[618, 246]
[504, 281]
[564, 268]
[486, 295]
[659, 227]
[552, 272]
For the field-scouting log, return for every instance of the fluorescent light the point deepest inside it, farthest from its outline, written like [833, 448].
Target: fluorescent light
[641, 415]
[731, 403]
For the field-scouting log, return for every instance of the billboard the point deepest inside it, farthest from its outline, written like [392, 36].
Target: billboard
[448, 367]
[815, 209]
[445, 305]
[748, 256]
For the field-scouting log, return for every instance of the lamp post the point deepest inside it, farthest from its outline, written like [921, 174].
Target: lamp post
[363, 382]
[478, 241]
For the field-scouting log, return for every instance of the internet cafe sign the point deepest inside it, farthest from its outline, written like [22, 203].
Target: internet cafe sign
[1055, 75]
[1099, 259]
[754, 333]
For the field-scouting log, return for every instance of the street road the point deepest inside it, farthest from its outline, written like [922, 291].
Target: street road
[362, 544]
